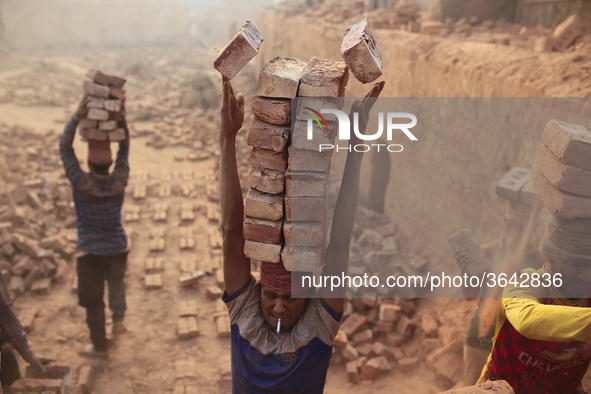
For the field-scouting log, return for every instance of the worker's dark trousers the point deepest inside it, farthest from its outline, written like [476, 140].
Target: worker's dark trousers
[93, 271]
[9, 370]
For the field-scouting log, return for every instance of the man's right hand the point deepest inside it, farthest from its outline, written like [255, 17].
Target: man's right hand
[232, 113]
[82, 107]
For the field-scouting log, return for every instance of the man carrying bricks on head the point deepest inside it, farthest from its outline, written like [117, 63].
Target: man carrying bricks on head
[102, 242]
[296, 359]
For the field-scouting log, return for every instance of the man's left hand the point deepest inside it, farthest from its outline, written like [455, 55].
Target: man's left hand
[82, 107]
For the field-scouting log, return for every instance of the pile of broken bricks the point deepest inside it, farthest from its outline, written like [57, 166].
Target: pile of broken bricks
[562, 174]
[105, 114]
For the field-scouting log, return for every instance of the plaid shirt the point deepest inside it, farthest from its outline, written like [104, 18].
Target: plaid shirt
[12, 331]
[97, 198]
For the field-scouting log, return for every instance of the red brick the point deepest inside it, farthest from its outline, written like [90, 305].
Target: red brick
[222, 324]
[304, 209]
[385, 327]
[408, 364]
[323, 78]
[565, 33]
[112, 105]
[320, 136]
[118, 93]
[389, 313]
[239, 51]
[96, 102]
[363, 336]
[117, 135]
[512, 182]
[304, 233]
[98, 77]
[272, 110]
[262, 252]
[369, 301]
[405, 326]
[263, 206]
[562, 204]
[267, 181]
[281, 78]
[350, 353]
[395, 339]
[570, 143]
[353, 324]
[370, 369]
[117, 82]
[86, 379]
[213, 292]
[382, 350]
[352, 372]
[87, 123]
[187, 327]
[341, 339]
[564, 177]
[94, 134]
[263, 158]
[188, 308]
[307, 160]
[430, 326]
[96, 90]
[305, 184]
[42, 286]
[265, 231]
[268, 136]
[365, 349]
[361, 52]
[302, 258]
[107, 125]
[97, 114]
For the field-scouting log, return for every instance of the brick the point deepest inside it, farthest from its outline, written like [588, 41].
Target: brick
[369, 301]
[190, 278]
[139, 192]
[112, 105]
[23, 266]
[86, 376]
[262, 252]
[512, 182]
[350, 353]
[117, 82]
[370, 369]
[564, 177]
[272, 137]
[361, 52]
[528, 195]
[365, 349]
[187, 265]
[566, 32]
[154, 264]
[405, 326]
[305, 209]
[87, 123]
[97, 114]
[341, 339]
[265, 231]
[96, 102]
[323, 78]
[157, 244]
[276, 111]
[498, 387]
[42, 286]
[94, 134]
[213, 292]
[96, 90]
[385, 365]
[118, 93]
[263, 158]
[267, 181]
[98, 77]
[307, 160]
[320, 136]
[187, 327]
[352, 372]
[354, 324]
[222, 325]
[27, 320]
[408, 363]
[363, 337]
[389, 313]
[395, 339]
[263, 206]
[243, 47]
[305, 184]
[382, 350]
[118, 116]
[153, 281]
[432, 27]
[469, 256]
[280, 78]
[304, 233]
[107, 125]
[302, 258]
[117, 135]
[414, 27]
[430, 326]
[570, 143]
[188, 308]
[26, 245]
[385, 327]
[540, 44]
[560, 203]
[317, 103]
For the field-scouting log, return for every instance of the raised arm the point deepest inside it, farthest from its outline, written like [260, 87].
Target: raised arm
[236, 264]
[70, 161]
[122, 160]
[337, 253]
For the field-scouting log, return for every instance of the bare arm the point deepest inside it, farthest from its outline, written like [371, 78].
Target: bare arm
[337, 253]
[236, 264]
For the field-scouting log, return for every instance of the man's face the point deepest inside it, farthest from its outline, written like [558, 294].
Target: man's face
[576, 277]
[276, 305]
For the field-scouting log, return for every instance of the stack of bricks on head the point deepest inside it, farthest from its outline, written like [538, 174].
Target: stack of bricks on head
[286, 204]
[102, 122]
[562, 175]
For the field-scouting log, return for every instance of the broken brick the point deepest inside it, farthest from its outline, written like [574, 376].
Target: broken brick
[280, 78]
[267, 181]
[244, 46]
[570, 143]
[323, 78]
[361, 52]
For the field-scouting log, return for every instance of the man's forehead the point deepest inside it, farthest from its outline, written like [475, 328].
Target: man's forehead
[276, 292]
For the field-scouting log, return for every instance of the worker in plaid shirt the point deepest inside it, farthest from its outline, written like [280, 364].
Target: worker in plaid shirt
[12, 336]
[102, 242]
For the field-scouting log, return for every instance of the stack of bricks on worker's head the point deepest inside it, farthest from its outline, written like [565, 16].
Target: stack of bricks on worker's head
[104, 118]
[562, 175]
